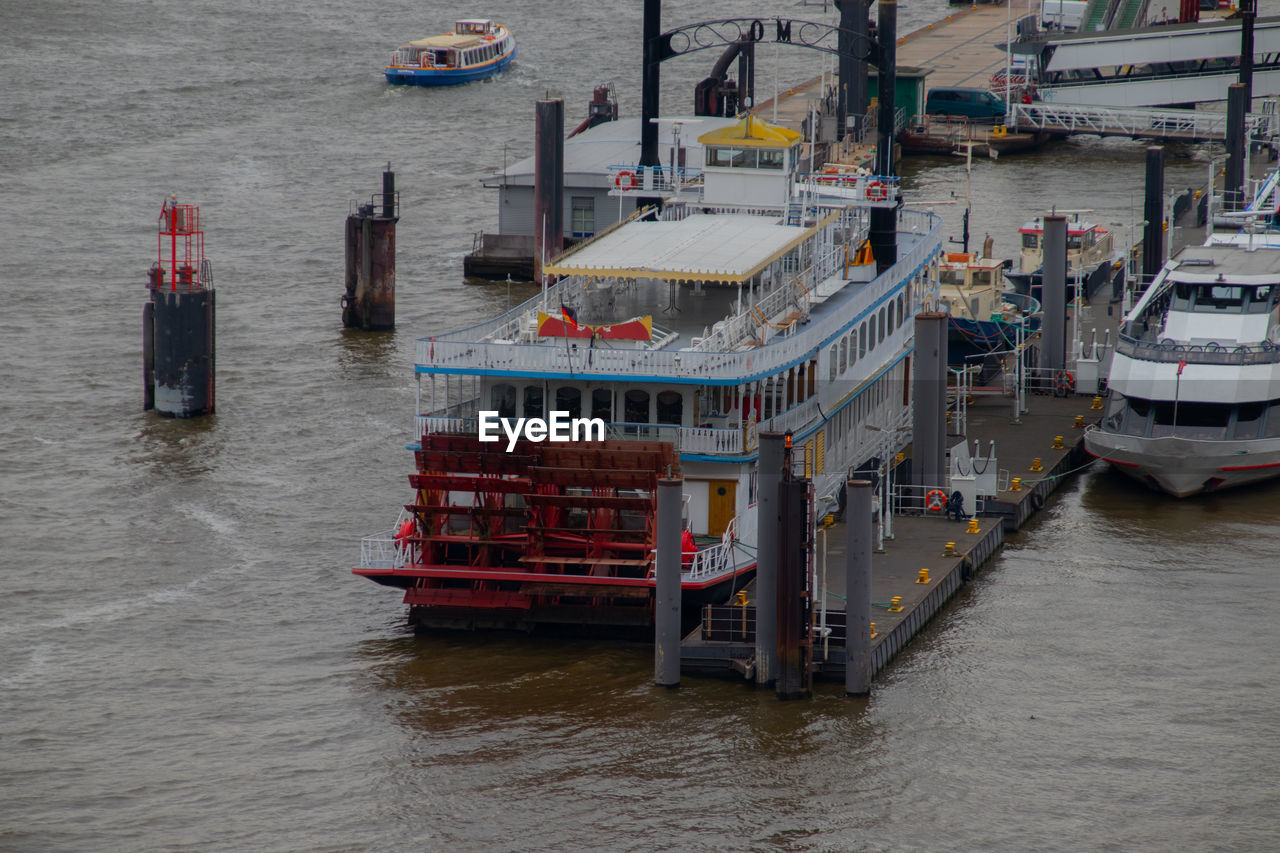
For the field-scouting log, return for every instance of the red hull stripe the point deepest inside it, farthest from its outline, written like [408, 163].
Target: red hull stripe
[1248, 467]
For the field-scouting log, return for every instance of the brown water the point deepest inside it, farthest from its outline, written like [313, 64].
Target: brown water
[186, 662]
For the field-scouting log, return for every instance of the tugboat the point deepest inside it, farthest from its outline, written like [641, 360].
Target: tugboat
[477, 48]
[675, 336]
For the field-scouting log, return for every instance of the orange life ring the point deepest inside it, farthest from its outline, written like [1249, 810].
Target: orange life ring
[629, 177]
[1064, 383]
[936, 500]
[877, 191]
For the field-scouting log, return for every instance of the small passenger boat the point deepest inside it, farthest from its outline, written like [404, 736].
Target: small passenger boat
[477, 48]
[1091, 255]
[983, 317]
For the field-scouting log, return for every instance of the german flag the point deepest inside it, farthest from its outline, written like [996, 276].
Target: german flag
[570, 316]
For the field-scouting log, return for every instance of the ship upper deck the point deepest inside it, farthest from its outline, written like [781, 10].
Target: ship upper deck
[733, 297]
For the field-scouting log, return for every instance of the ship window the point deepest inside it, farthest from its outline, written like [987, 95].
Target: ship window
[503, 398]
[733, 157]
[1195, 420]
[901, 309]
[1136, 416]
[602, 404]
[1260, 299]
[862, 340]
[1272, 429]
[1073, 242]
[1249, 420]
[951, 275]
[834, 364]
[880, 336]
[584, 216]
[771, 159]
[670, 407]
[569, 400]
[1182, 296]
[534, 401]
[1030, 241]
[891, 326]
[1220, 297]
[853, 346]
[636, 408]
[844, 355]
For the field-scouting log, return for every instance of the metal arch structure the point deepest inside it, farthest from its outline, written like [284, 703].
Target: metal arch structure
[811, 34]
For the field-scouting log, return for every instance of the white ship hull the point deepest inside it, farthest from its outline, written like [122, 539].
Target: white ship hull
[1187, 466]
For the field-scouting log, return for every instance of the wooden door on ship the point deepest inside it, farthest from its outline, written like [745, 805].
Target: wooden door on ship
[721, 501]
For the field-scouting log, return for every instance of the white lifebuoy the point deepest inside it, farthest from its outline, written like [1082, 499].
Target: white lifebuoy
[625, 180]
[877, 191]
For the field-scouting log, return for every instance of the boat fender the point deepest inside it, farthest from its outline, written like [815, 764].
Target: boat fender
[935, 500]
[625, 180]
[877, 191]
[1063, 383]
[1037, 501]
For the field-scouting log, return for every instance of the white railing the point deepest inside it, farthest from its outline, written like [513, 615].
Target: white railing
[641, 180]
[723, 558]
[381, 551]
[1133, 121]
[720, 441]
[455, 353]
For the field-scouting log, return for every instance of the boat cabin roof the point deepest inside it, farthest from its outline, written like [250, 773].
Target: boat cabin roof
[751, 133]
[1037, 227]
[725, 248]
[1219, 264]
[970, 259]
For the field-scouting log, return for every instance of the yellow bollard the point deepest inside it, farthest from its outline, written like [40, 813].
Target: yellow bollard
[1016, 485]
[949, 550]
[828, 520]
[898, 458]
[1057, 442]
[1096, 405]
[895, 604]
[924, 576]
[874, 633]
[740, 600]
[1079, 424]
[1036, 465]
[973, 526]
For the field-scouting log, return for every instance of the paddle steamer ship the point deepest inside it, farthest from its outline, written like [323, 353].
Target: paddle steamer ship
[747, 302]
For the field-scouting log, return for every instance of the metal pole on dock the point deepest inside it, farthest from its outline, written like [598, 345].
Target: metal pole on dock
[857, 587]
[768, 540]
[795, 676]
[369, 302]
[548, 184]
[1054, 293]
[1153, 213]
[666, 636]
[651, 30]
[1233, 182]
[883, 232]
[929, 409]
[852, 43]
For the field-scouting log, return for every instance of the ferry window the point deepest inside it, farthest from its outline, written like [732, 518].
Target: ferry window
[584, 216]
[950, 275]
[1219, 297]
[1030, 241]
[534, 401]
[636, 407]
[1136, 416]
[1182, 296]
[853, 346]
[569, 400]
[834, 365]
[503, 398]
[844, 355]
[891, 326]
[670, 407]
[735, 157]
[771, 159]
[1195, 420]
[602, 404]
[1249, 420]
[1073, 242]
[862, 340]
[880, 337]
[1272, 428]
[1260, 299]
[901, 308]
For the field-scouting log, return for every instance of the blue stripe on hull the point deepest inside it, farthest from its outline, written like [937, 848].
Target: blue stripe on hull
[433, 77]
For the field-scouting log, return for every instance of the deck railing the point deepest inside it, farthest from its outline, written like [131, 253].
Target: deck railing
[718, 441]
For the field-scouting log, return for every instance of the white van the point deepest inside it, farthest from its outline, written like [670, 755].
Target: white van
[1062, 15]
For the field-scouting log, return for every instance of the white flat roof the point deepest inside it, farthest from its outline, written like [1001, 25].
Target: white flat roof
[728, 248]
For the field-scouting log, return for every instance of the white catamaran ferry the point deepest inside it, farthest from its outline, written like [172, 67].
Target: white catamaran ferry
[748, 302]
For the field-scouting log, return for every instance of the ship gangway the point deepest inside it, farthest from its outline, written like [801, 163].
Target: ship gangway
[1141, 123]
